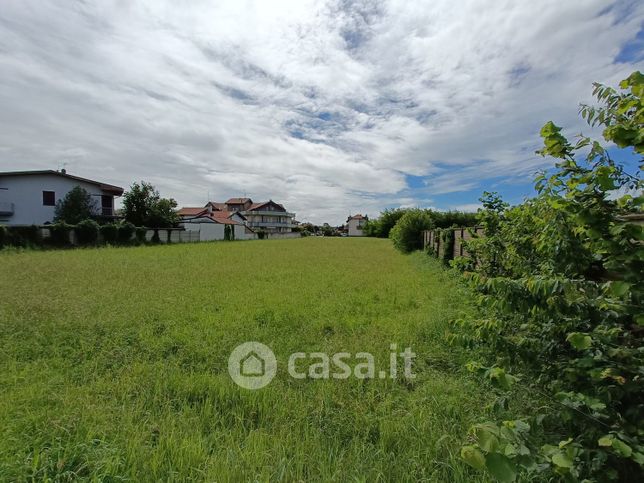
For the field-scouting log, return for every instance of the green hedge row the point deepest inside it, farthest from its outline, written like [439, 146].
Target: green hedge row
[88, 233]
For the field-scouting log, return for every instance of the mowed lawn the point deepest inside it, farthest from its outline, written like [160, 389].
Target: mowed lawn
[113, 364]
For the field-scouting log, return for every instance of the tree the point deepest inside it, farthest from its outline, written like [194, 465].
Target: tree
[558, 281]
[407, 233]
[381, 226]
[77, 206]
[143, 206]
[163, 214]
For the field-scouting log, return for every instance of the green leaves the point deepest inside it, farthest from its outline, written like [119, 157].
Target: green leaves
[558, 283]
[579, 341]
[621, 448]
[501, 467]
[555, 144]
[473, 457]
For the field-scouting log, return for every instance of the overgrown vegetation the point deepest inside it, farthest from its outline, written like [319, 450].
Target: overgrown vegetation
[559, 279]
[113, 364]
[407, 232]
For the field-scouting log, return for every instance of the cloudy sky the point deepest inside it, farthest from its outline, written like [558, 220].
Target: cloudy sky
[330, 107]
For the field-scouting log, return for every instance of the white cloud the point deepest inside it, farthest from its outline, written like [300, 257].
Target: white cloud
[321, 106]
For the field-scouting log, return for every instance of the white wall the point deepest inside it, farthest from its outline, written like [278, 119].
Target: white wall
[25, 192]
[352, 227]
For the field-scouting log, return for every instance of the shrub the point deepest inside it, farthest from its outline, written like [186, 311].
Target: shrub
[110, 233]
[78, 205]
[86, 232]
[24, 236]
[125, 232]
[59, 234]
[560, 293]
[3, 236]
[140, 233]
[407, 234]
[447, 242]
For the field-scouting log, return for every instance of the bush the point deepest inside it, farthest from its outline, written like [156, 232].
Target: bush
[87, 232]
[59, 234]
[140, 233]
[558, 280]
[23, 236]
[126, 231]
[407, 234]
[447, 242]
[110, 233]
[3, 236]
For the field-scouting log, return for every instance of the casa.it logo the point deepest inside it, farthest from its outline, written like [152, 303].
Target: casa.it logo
[252, 365]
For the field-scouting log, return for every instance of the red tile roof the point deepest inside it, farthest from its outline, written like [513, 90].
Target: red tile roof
[238, 201]
[256, 206]
[218, 216]
[357, 217]
[190, 211]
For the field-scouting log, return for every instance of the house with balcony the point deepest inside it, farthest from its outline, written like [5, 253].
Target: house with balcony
[30, 197]
[268, 216]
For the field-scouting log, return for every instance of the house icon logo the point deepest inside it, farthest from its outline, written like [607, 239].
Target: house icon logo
[252, 365]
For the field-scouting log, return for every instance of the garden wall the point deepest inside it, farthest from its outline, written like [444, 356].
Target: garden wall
[435, 241]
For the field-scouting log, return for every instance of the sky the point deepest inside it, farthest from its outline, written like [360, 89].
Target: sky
[329, 107]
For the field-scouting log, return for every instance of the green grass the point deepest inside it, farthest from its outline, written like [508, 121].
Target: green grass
[113, 364]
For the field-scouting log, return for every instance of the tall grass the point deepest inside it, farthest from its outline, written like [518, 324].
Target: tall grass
[113, 364]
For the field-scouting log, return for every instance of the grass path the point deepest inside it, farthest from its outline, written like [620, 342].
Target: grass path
[113, 364]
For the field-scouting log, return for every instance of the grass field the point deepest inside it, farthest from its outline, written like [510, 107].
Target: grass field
[113, 364]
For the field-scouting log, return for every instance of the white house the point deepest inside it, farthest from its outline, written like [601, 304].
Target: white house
[355, 224]
[211, 222]
[29, 197]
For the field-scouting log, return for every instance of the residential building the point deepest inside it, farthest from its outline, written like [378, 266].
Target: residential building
[268, 216]
[355, 224]
[211, 222]
[30, 197]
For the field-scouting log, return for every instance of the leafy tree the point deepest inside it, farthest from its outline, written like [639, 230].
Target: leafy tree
[406, 234]
[78, 205]
[163, 214]
[143, 206]
[560, 293]
[381, 226]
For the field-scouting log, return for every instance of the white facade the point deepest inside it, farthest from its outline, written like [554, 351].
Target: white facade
[211, 231]
[355, 224]
[22, 200]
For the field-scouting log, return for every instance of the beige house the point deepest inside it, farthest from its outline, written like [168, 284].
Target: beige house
[269, 216]
[355, 224]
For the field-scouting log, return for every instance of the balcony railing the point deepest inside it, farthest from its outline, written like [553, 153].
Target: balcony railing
[268, 213]
[6, 208]
[268, 224]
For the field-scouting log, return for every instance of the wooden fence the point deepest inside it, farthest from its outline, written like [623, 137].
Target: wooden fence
[435, 240]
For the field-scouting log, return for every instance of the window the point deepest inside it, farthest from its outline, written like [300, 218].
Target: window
[48, 198]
